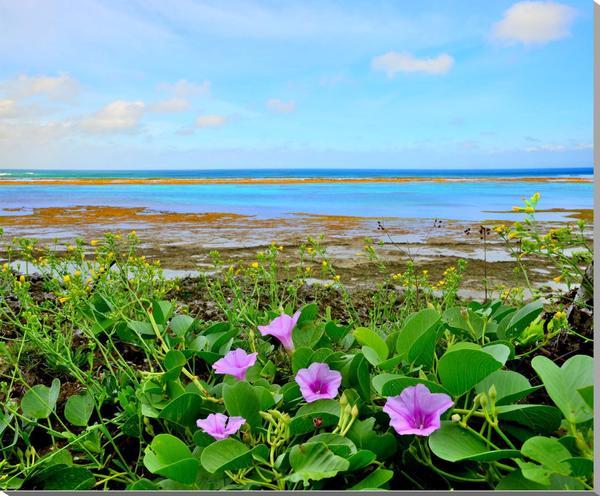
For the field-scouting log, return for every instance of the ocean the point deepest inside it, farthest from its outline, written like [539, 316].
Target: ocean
[476, 198]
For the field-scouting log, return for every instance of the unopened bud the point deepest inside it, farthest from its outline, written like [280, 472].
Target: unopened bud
[483, 400]
[355, 411]
[455, 417]
[492, 393]
[343, 400]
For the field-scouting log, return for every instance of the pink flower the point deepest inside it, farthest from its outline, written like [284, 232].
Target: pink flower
[235, 363]
[281, 327]
[220, 426]
[318, 382]
[416, 410]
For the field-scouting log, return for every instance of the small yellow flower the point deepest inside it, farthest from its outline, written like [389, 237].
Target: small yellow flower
[308, 269]
[5, 267]
[324, 263]
[255, 265]
[132, 233]
[110, 254]
[512, 235]
[62, 299]
[67, 278]
[557, 279]
[280, 248]
[536, 196]
[337, 277]
[516, 209]
[425, 272]
[77, 273]
[70, 248]
[94, 242]
[22, 279]
[529, 210]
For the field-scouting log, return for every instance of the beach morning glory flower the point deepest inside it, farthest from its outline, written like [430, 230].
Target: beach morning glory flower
[235, 363]
[318, 382]
[281, 327]
[417, 410]
[220, 426]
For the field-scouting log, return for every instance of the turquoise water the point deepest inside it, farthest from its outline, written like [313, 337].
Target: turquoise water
[471, 200]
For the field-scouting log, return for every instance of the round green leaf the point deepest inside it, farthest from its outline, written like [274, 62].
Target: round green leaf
[79, 409]
[314, 462]
[453, 443]
[227, 454]
[461, 369]
[241, 400]
[562, 384]
[40, 400]
[170, 457]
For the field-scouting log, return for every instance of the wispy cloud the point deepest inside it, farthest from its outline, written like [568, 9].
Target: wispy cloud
[280, 106]
[534, 23]
[553, 147]
[213, 120]
[394, 62]
[61, 87]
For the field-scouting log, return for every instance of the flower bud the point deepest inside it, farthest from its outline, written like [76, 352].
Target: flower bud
[355, 411]
[492, 393]
[455, 417]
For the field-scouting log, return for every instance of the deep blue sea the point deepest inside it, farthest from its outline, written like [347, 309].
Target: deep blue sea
[470, 200]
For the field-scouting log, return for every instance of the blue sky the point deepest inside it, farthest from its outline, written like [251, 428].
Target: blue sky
[258, 84]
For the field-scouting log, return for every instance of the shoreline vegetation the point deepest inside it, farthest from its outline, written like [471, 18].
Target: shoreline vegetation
[287, 180]
[250, 376]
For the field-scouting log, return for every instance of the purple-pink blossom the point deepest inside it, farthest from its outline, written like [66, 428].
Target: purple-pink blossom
[318, 382]
[417, 410]
[281, 327]
[220, 426]
[235, 363]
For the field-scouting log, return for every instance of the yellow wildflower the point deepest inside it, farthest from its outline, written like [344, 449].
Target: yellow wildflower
[337, 277]
[94, 242]
[324, 263]
[77, 273]
[70, 248]
[529, 210]
[512, 235]
[22, 279]
[255, 265]
[308, 269]
[280, 248]
[557, 279]
[62, 299]
[67, 278]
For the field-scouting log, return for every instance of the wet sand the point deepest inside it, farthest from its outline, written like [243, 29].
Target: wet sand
[183, 241]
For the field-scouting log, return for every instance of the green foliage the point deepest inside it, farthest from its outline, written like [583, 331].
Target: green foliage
[130, 370]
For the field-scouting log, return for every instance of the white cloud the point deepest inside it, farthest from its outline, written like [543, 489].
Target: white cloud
[394, 62]
[210, 121]
[534, 22]
[170, 105]
[186, 89]
[553, 147]
[61, 87]
[8, 108]
[117, 116]
[182, 92]
[281, 107]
